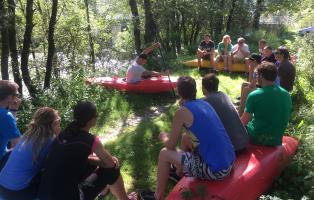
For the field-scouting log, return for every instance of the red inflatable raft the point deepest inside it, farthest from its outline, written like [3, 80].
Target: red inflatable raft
[152, 85]
[254, 172]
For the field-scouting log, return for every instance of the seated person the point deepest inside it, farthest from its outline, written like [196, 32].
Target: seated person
[253, 61]
[9, 133]
[78, 165]
[226, 112]
[240, 51]
[213, 156]
[206, 50]
[136, 72]
[224, 52]
[286, 70]
[268, 55]
[261, 44]
[19, 178]
[267, 109]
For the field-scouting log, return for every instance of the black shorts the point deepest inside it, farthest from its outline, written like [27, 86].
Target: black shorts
[105, 176]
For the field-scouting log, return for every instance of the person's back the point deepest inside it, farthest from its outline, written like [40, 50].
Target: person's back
[65, 165]
[214, 143]
[286, 73]
[271, 109]
[230, 119]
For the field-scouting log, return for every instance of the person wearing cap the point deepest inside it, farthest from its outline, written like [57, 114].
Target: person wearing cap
[224, 52]
[206, 50]
[286, 70]
[253, 61]
[267, 109]
[9, 103]
[240, 51]
[136, 72]
[226, 111]
[268, 55]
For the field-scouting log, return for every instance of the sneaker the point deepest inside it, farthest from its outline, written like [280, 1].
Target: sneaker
[173, 174]
[147, 195]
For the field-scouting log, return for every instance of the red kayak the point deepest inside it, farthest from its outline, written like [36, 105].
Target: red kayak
[152, 85]
[254, 172]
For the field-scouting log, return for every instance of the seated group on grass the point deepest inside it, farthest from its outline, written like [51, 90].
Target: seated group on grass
[47, 163]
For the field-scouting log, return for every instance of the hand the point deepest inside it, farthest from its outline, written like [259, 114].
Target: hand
[157, 45]
[15, 104]
[163, 137]
[116, 161]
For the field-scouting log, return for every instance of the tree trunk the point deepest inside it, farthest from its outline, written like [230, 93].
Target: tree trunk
[230, 17]
[136, 25]
[257, 14]
[12, 43]
[51, 43]
[26, 46]
[150, 25]
[90, 38]
[4, 41]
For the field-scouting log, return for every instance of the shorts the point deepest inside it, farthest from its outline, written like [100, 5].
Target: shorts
[194, 166]
[105, 176]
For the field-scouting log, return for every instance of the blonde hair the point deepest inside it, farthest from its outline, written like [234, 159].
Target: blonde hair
[226, 36]
[40, 130]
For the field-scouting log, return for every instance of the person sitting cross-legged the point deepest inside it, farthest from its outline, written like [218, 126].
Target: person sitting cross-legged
[213, 156]
[226, 112]
[267, 109]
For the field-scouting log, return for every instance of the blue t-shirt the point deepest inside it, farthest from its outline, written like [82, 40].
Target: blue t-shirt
[215, 146]
[8, 130]
[21, 167]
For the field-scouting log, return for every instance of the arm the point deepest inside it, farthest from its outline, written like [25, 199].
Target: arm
[103, 158]
[177, 123]
[246, 118]
[154, 73]
[151, 48]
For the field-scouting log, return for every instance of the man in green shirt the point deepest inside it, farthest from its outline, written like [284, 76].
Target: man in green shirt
[267, 109]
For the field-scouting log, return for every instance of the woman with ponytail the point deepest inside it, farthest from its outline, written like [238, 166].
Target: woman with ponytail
[78, 167]
[20, 176]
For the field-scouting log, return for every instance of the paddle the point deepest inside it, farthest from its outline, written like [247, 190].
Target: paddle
[164, 66]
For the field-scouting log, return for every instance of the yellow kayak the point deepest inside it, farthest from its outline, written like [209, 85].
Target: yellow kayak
[235, 67]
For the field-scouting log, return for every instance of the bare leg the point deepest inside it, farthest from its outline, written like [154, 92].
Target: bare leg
[225, 59]
[118, 190]
[245, 92]
[166, 157]
[199, 59]
[229, 63]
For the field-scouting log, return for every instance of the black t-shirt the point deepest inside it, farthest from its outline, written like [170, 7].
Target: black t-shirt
[65, 166]
[271, 59]
[286, 73]
[208, 47]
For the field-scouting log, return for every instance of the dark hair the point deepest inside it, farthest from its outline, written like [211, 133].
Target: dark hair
[263, 41]
[210, 82]
[268, 47]
[256, 57]
[7, 88]
[83, 112]
[143, 56]
[186, 87]
[268, 70]
[284, 52]
[207, 35]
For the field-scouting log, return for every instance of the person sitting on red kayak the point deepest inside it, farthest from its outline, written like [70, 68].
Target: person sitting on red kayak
[136, 72]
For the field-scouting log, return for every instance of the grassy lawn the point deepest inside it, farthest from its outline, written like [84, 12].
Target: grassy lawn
[137, 145]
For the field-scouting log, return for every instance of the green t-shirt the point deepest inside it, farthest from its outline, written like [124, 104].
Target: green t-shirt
[221, 48]
[271, 108]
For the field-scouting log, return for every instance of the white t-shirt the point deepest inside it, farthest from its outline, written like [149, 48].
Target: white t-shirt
[134, 73]
[239, 54]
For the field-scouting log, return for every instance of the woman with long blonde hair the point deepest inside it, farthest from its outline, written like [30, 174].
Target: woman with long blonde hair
[20, 176]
